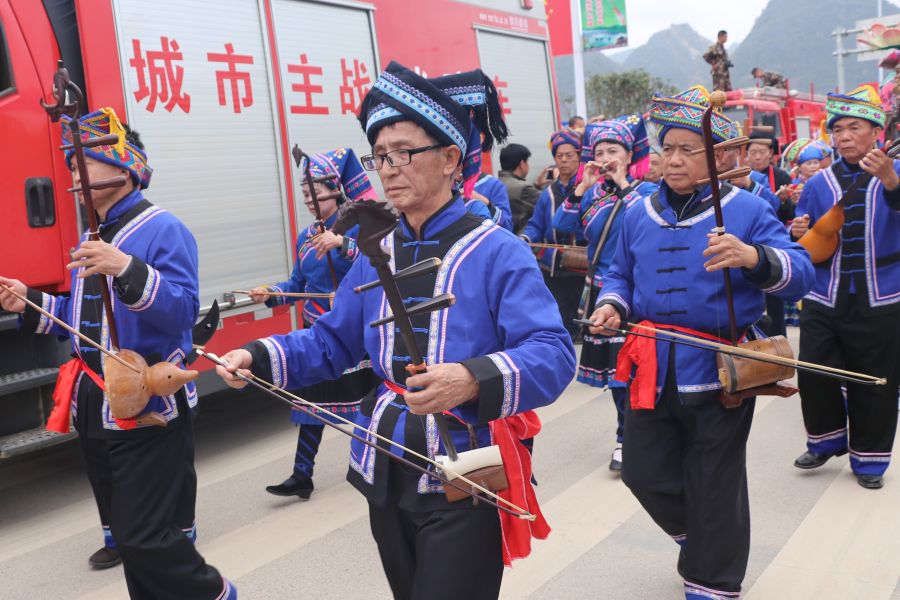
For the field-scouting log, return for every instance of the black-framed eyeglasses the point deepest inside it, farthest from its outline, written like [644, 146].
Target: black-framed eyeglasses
[395, 158]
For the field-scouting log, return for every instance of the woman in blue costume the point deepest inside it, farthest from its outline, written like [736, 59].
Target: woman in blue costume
[565, 284]
[312, 274]
[596, 211]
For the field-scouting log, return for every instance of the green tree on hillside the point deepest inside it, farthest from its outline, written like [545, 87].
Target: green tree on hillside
[625, 93]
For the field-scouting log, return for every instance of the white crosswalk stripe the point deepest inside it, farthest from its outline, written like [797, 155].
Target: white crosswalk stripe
[847, 547]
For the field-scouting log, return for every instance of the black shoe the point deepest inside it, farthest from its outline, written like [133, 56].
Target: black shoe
[872, 482]
[811, 460]
[292, 487]
[105, 558]
[616, 463]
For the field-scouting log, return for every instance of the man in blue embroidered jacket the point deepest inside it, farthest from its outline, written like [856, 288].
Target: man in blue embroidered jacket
[851, 318]
[499, 351]
[684, 453]
[143, 477]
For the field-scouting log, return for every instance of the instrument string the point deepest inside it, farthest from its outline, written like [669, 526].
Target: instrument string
[306, 403]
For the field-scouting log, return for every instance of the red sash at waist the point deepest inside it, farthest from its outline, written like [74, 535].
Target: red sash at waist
[641, 352]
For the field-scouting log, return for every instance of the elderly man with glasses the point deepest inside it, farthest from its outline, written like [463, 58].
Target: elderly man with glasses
[498, 353]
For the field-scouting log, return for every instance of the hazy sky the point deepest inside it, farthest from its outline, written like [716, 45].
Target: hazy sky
[646, 17]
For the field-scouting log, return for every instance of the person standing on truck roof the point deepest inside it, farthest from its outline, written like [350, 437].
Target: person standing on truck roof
[566, 285]
[498, 353]
[143, 477]
[851, 318]
[312, 275]
[718, 58]
[770, 78]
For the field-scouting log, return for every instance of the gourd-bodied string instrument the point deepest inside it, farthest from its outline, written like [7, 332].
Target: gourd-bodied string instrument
[745, 351]
[376, 220]
[823, 238]
[128, 380]
[741, 378]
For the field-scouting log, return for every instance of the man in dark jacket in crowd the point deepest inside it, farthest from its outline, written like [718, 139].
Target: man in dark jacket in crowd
[522, 195]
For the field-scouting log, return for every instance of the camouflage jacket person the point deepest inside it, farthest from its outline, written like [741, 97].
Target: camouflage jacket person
[771, 78]
[718, 58]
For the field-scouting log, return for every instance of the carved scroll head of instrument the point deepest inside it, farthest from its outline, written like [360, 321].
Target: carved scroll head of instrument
[129, 392]
[61, 84]
[376, 219]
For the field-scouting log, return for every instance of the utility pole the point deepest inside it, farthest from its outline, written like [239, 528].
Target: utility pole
[840, 52]
[880, 70]
[838, 35]
[578, 59]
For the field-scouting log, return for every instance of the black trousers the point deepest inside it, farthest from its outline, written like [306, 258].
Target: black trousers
[438, 555]
[869, 345]
[567, 293]
[687, 466]
[147, 489]
[775, 310]
[621, 398]
[100, 477]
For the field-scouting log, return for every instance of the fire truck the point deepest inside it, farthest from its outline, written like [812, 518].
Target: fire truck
[791, 114]
[220, 92]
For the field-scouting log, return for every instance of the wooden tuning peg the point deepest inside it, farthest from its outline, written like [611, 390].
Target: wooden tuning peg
[732, 143]
[733, 174]
[329, 196]
[324, 178]
[113, 182]
[106, 140]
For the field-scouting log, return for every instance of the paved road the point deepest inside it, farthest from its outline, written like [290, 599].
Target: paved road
[816, 535]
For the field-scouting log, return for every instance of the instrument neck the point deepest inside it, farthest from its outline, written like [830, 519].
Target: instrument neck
[710, 156]
[94, 236]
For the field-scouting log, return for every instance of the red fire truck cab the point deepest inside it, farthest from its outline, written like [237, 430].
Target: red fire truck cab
[793, 115]
[220, 93]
